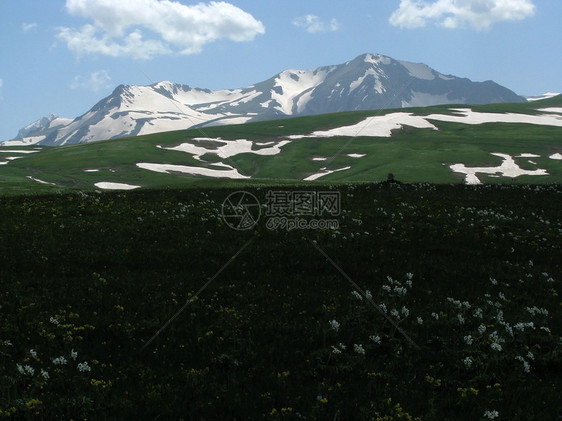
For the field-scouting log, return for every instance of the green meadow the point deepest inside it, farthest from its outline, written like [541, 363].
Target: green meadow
[412, 155]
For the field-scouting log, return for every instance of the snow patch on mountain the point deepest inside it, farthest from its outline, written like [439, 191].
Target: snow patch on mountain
[543, 96]
[293, 84]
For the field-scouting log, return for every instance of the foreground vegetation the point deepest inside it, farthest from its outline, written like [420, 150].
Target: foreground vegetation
[470, 274]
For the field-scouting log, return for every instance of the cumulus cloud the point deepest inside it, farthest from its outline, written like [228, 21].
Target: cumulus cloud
[144, 29]
[313, 24]
[479, 14]
[94, 81]
[26, 27]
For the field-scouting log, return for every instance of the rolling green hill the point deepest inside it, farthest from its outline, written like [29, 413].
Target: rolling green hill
[411, 154]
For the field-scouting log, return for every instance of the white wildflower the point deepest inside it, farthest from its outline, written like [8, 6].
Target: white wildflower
[499, 316]
[29, 370]
[335, 350]
[383, 307]
[491, 414]
[358, 349]
[482, 329]
[468, 339]
[405, 311]
[54, 321]
[530, 356]
[420, 321]
[435, 316]
[45, 374]
[368, 295]
[493, 281]
[520, 326]
[395, 313]
[20, 369]
[6, 343]
[82, 367]
[59, 360]
[342, 346]
[496, 346]
[357, 295]
[33, 353]
[376, 339]
[467, 362]
[73, 354]
[400, 290]
[461, 319]
[409, 276]
[546, 329]
[386, 288]
[334, 324]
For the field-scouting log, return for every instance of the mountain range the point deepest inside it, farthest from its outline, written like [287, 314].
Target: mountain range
[368, 82]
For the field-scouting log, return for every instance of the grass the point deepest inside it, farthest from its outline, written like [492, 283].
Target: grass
[471, 274]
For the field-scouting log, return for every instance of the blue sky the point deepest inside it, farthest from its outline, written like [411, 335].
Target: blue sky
[62, 56]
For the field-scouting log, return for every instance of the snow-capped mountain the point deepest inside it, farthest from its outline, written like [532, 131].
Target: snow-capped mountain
[370, 81]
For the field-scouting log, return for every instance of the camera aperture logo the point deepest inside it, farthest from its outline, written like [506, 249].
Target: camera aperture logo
[286, 210]
[241, 210]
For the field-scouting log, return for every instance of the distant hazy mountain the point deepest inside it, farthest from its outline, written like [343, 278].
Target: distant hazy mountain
[370, 81]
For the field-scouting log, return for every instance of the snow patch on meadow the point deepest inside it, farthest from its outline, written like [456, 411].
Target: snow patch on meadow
[323, 172]
[18, 151]
[382, 126]
[185, 169]
[106, 185]
[508, 168]
[40, 181]
[226, 148]
[551, 110]
[556, 156]
[378, 126]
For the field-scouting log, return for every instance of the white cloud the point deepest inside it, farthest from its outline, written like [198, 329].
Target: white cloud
[479, 14]
[26, 27]
[146, 28]
[94, 81]
[313, 24]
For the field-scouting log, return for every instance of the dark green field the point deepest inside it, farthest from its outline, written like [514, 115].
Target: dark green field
[471, 275]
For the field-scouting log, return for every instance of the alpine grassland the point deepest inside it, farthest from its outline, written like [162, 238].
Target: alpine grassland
[413, 155]
[424, 302]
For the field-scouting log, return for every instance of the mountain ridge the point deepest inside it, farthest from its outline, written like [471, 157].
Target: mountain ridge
[370, 81]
